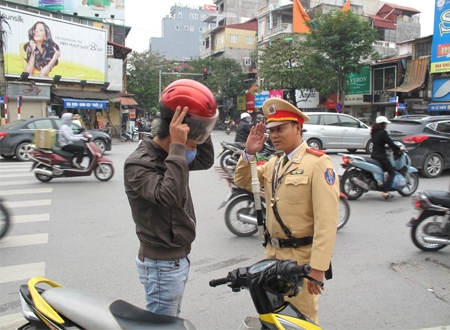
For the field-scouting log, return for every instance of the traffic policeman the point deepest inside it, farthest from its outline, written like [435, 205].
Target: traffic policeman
[303, 190]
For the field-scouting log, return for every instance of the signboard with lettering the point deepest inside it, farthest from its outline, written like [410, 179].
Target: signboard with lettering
[306, 99]
[441, 90]
[260, 98]
[84, 104]
[358, 83]
[440, 51]
[432, 107]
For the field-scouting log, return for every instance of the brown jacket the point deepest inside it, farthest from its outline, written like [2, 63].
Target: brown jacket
[307, 201]
[157, 187]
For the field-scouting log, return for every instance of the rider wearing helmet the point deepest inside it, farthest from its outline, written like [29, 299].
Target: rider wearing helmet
[66, 139]
[156, 179]
[243, 129]
[380, 138]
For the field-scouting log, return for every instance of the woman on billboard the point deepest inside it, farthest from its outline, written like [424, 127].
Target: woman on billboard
[42, 52]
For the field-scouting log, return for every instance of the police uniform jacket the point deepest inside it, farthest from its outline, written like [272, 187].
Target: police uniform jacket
[307, 197]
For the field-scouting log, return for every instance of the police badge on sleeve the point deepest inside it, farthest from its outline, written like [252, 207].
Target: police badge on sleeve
[330, 176]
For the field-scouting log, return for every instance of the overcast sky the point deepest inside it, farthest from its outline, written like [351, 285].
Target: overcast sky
[144, 17]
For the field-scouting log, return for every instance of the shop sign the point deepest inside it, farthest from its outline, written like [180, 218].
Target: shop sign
[277, 93]
[29, 92]
[260, 98]
[132, 114]
[438, 107]
[441, 90]
[440, 49]
[306, 99]
[358, 83]
[82, 48]
[249, 101]
[240, 103]
[332, 101]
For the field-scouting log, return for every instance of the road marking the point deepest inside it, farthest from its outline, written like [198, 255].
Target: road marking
[30, 218]
[21, 272]
[12, 175]
[23, 240]
[15, 170]
[13, 205]
[15, 165]
[14, 183]
[26, 191]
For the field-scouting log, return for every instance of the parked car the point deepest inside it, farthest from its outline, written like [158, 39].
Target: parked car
[327, 130]
[16, 137]
[427, 140]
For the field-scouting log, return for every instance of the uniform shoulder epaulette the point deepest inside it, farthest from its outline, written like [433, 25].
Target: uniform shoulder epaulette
[316, 152]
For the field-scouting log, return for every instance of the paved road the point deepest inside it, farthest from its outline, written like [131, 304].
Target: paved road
[78, 232]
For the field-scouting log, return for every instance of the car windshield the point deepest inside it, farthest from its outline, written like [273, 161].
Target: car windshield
[14, 123]
[403, 127]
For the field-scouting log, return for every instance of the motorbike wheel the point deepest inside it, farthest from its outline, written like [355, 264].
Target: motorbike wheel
[412, 182]
[424, 228]
[241, 205]
[42, 177]
[135, 137]
[223, 159]
[4, 220]
[344, 213]
[104, 172]
[352, 191]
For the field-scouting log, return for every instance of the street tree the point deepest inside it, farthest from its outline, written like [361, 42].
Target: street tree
[344, 43]
[143, 77]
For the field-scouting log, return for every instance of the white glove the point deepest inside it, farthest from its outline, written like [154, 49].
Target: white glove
[84, 139]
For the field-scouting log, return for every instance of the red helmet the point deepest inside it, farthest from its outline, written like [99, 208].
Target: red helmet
[201, 102]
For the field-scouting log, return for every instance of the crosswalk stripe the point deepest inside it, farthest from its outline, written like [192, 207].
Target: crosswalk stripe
[14, 183]
[11, 321]
[21, 272]
[14, 165]
[12, 175]
[30, 218]
[22, 169]
[27, 203]
[23, 240]
[26, 191]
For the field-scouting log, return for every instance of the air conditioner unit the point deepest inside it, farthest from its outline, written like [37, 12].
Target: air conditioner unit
[109, 50]
[260, 38]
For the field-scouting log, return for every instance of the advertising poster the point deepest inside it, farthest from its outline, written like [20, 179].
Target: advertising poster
[358, 83]
[46, 47]
[306, 99]
[440, 53]
[441, 90]
[86, 8]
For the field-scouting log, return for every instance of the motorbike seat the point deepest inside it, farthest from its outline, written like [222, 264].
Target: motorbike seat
[95, 312]
[439, 197]
[372, 161]
[62, 153]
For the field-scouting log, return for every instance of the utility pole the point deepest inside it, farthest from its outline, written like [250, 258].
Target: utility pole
[2, 63]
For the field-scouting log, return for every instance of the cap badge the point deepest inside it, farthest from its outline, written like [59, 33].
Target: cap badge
[272, 109]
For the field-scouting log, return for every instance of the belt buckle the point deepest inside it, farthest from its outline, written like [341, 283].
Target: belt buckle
[275, 243]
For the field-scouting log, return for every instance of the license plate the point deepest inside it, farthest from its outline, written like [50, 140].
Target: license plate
[341, 171]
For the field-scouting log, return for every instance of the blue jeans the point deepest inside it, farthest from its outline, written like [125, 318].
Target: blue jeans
[164, 282]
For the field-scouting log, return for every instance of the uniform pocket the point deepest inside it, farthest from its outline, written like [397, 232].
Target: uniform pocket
[296, 188]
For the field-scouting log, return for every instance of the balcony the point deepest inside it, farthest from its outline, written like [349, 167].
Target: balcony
[282, 28]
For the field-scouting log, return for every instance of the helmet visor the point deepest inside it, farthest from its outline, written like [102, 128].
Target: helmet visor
[200, 127]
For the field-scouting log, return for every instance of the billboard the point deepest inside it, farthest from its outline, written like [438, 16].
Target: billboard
[440, 53]
[86, 8]
[358, 83]
[45, 47]
[441, 90]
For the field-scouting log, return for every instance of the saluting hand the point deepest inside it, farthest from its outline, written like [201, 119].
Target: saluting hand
[178, 130]
[256, 138]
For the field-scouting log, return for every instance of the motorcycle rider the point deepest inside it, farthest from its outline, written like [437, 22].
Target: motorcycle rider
[66, 138]
[243, 129]
[157, 186]
[380, 138]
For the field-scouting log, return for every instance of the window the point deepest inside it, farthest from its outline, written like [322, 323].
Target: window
[422, 49]
[201, 29]
[313, 120]
[249, 40]
[234, 38]
[348, 122]
[331, 120]
[177, 27]
[191, 28]
[180, 14]
[216, 41]
[40, 124]
[221, 39]
[193, 16]
[441, 127]
[247, 62]
[186, 28]
[203, 17]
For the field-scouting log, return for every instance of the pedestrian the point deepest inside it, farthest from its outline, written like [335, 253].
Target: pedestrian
[66, 139]
[380, 138]
[156, 123]
[302, 186]
[243, 129]
[157, 186]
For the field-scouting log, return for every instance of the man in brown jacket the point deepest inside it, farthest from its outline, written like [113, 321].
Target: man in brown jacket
[303, 187]
[157, 186]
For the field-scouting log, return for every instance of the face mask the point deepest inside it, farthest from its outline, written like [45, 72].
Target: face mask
[190, 155]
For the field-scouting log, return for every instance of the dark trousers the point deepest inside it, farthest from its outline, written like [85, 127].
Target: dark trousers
[77, 150]
[387, 167]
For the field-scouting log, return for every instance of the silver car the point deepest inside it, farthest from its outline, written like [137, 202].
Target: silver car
[329, 130]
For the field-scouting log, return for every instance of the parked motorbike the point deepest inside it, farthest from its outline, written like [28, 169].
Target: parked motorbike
[230, 153]
[360, 174]
[130, 136]
[56, 163]
[240, 213]
[227, 127]
[268, 281]
[430, 229]
[5, 219]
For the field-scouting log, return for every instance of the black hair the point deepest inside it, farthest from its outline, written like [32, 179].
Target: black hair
[377, 127]
[48, 46]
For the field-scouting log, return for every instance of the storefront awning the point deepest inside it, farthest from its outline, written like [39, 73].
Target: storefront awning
[84, 104]
[125, 100]
[414, 77]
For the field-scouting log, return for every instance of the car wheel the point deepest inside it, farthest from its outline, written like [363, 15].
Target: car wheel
[7, 156]
[23, 151]
[101, 144]
[369, 147]
[351, 150]
[433, 166]
[314, 143]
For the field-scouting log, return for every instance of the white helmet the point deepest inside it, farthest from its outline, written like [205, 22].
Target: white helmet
[382, 119]
[245, 115]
